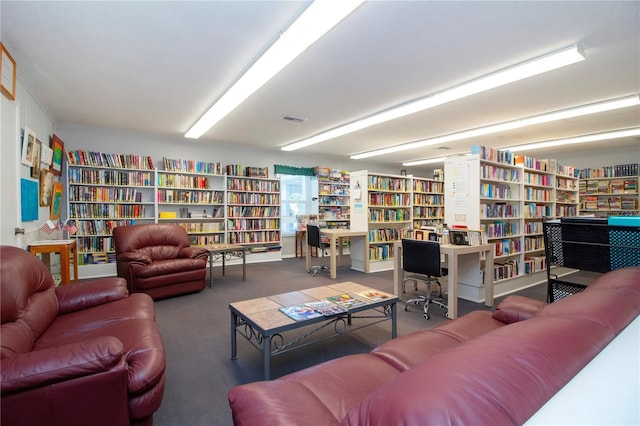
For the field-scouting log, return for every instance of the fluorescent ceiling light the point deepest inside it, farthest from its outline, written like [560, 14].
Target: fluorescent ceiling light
[508, 125]
[614, 134]
[315, 21]
[539, 65]
[617, 134]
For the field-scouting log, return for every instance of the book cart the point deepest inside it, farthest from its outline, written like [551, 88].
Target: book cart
[587, 244]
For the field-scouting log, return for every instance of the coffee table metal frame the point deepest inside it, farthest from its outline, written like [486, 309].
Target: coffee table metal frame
[263, 325]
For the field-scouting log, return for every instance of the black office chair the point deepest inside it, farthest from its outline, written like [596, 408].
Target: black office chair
[421, 259]
[314, 240]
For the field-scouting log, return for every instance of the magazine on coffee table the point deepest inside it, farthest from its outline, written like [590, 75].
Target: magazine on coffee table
[300, 312]
[373, 295]
[346, 301]
[326, 308]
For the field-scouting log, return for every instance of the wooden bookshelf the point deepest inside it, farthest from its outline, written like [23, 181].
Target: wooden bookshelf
[333, 197]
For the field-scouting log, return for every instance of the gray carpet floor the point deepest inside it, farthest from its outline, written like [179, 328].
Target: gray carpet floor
[196, 332]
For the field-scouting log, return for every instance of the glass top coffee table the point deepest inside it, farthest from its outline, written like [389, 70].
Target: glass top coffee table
[263, 323]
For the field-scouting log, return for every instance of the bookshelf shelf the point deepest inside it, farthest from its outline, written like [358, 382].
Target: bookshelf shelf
[333, 197]
[609, 191]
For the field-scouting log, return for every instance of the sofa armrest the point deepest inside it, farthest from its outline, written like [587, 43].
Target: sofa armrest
[193, 252]
[134, 256]
[59, 364]
[84, 295]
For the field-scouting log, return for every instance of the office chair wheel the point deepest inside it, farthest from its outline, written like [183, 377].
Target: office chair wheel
[426, 316]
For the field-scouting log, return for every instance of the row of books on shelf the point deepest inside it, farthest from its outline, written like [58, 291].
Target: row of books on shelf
[252, 224]
[183, 181]
[235, 184]
[494, 155]
[499, 173]
[205, 240]
[610, 171]
[239, 170]
[593, 202]
[334, 305]
[532, 210]
[385, 183]
[428, 186]
[507, 247]
[428, 200]
[110, 177]
[376, 199]
[324, 173]
[190, 197]
[253, 211]
[96, 258]
[615, 186]
[253, 237]
[107, 211]
[252, 198]
[389, 215]
[104, 194]
[381, 252]
[99, 227]
[491, 190]
[99, 159]
[191, 166]
[326, 200]
[498, 211]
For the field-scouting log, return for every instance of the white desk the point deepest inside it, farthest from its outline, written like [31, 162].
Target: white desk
[335, 239]
[452, 252]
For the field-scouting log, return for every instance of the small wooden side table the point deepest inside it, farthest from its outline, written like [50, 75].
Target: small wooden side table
[68, 253]
[301, 242]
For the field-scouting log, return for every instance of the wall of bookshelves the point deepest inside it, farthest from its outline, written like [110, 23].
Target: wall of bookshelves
[109, 190]
[253, 213]
[428, 202]
[192, 194]
[609, 191]
[105, 191]
[515, 194]
[380, 205]
[333, 197]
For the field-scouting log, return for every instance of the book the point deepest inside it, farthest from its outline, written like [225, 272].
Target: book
[373, 295]
[300, 312]
[326, 308]
[345, 300]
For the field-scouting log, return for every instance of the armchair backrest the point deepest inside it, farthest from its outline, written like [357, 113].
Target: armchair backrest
[157, 241]
[421, 257]
[28, 304]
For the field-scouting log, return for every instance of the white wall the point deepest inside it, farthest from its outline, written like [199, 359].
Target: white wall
[15, 115]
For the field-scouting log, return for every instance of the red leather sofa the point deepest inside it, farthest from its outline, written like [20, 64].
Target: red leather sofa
[483, 368]
[157, 259]
[82, 354]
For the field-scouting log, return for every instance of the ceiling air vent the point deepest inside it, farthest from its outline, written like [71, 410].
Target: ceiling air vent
[441, 148]
[294, 119]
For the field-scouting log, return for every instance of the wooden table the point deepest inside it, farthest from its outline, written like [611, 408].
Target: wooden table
[68, 253]
[261, 322]
[335, 239]
[453, 253]
[224, 251]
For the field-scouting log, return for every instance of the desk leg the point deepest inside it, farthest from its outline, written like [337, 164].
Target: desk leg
[224, 255]
[234, 336]
[65, 268]
[394, 320]
[488, 279]
[74, 252]
[266, 352]
[333, 259]
[307, 258]
[397, 270]
[452, 300]
[210, 270]
[244, 264]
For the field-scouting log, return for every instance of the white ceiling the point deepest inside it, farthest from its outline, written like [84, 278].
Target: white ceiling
[157, 66]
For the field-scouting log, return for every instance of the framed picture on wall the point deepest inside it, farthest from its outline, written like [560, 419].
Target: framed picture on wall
[35, 169]
[58, 151]
[46, 188]
[28, 142]
[8, 71]
[56, 201]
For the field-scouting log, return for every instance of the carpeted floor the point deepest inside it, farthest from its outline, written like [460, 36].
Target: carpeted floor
[196, 333]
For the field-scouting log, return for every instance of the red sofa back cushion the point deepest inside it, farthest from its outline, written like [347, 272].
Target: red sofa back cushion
[28, 304]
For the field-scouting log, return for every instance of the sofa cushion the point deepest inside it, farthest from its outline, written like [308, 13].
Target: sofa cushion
[318, 395]
[168, 267]
[517, 308]
[502, 377]
[406, 351]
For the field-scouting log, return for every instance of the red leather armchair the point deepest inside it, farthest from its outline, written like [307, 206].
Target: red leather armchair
[157, 259]
[82, 354]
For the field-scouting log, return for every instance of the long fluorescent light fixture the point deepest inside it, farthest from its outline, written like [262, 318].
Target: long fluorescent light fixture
[539, 65]
[315, 21]
[614, 134]
[509, 125]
